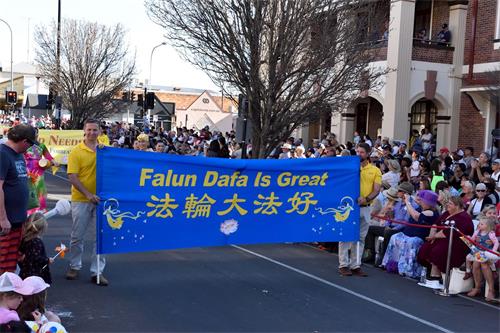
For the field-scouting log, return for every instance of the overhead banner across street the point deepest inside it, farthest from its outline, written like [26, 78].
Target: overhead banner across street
[153, 201]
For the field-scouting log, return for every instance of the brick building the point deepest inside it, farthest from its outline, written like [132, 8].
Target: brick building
[445, 87]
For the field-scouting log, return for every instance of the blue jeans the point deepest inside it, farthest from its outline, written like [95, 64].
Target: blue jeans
[84, 217]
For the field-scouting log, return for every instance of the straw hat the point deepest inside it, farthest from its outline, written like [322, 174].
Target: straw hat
[391, 194]
[393, 165]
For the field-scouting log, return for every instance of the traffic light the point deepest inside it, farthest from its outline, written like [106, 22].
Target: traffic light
[132, 97]
[150, 100]
[140, 101]
[124, 96]
[11, 97]
[50, 100]
[242, 106]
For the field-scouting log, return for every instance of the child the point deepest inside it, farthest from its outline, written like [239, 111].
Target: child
[33, 258]
[482, 260]
[12, 289]
[36, 302]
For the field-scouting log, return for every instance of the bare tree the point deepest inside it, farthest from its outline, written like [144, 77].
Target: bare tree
[94, 66]
[291, 58]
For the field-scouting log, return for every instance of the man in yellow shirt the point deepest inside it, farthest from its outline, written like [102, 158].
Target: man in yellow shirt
[370, 184]
[103, 138]
[82, 175]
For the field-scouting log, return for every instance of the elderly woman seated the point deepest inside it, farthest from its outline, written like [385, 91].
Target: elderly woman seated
[434, 252]
[401, 254]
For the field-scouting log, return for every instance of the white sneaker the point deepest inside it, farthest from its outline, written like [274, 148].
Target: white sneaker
[433, 284]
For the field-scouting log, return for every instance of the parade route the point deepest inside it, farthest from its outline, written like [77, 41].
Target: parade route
[258, 288]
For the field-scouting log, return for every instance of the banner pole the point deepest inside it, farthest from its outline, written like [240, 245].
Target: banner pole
[446, 289]
[357, 254]
[98, 269]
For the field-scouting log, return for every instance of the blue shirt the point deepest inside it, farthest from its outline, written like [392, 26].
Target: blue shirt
[401, 214]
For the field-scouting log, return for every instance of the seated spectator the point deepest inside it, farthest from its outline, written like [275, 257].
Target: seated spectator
[12, 290]
[395, 209]
[437, 174]
[424, 184]
[401, 253]
[477, 254]
[394, 174]
[456, 179]
[467, 193]
[479, 202]
[434, 252]
[422, 35]
[480, 168]
[444, 36]
[491, 190]
[36, 302]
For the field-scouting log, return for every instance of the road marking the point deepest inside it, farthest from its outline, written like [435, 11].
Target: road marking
[331, 284]
[479, 302]
[404, 277]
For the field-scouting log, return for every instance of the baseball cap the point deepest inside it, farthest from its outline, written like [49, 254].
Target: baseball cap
[12, 282]
[444, 150]
[36, 283]
[497, 161]
[23, 132]
[460, 152]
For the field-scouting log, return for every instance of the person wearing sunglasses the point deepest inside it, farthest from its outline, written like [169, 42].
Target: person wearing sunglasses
[14, 192]
[479, 202]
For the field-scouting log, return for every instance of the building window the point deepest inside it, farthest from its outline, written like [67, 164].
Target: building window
[423, 115]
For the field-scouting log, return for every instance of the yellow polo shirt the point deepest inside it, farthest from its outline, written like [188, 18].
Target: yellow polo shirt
[82, 161]
[369, 175]
[103, 139]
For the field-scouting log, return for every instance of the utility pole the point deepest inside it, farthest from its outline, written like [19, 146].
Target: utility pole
[58, 66]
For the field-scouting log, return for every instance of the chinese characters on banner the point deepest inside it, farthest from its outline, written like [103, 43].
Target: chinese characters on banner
[153, 201]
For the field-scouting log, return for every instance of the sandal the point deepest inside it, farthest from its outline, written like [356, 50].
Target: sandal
[474, 292]
[491, 298]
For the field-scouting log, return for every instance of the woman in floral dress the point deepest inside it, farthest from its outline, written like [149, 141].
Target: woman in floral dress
[401, 254]
[38, 159]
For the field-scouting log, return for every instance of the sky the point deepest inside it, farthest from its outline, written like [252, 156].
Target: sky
[168, 68]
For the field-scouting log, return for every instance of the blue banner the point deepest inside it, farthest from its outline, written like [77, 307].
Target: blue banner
[152, 201]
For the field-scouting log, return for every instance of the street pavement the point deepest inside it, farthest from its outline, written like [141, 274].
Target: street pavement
[258, 288]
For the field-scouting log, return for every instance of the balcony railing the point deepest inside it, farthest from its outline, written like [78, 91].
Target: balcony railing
[423, 50]
[432, 51]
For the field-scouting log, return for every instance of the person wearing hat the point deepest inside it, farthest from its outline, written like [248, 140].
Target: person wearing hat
[396, 210]
[12, 290]
[14, 192]
[394, 174]
[36, 301]
[370, 183]
[285, 152]
[82, 176]
[401, 253]
[444, 36]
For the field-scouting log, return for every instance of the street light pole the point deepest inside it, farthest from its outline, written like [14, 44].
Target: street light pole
[151, 60]
[11, 63]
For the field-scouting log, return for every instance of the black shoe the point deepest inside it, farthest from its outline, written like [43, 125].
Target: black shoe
[103, 282]
[72, 274]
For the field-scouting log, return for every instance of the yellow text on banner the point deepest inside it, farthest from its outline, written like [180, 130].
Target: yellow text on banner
[60, 142]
